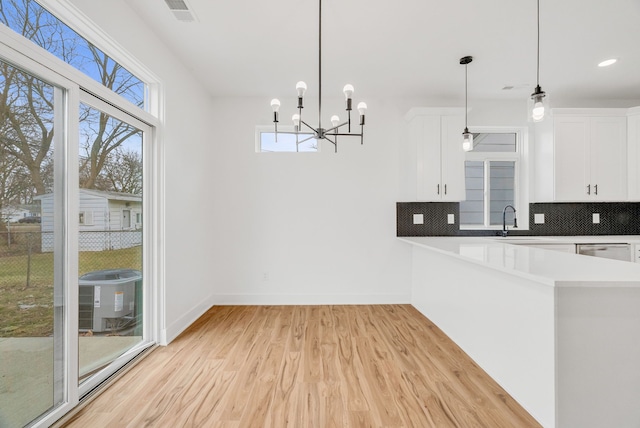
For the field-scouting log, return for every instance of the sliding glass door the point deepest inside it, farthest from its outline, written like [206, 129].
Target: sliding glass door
[74, 259]
[111, 209]
[32, 291]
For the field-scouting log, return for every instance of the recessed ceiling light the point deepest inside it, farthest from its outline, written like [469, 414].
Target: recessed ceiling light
[607, 62]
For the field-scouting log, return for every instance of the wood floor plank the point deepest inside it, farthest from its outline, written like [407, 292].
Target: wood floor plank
[306, 366]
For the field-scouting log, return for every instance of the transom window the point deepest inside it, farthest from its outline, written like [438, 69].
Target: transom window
[28, 18]
[287, 140]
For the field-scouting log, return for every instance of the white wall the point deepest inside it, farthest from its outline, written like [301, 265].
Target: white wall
[308, 227]
[186, 138]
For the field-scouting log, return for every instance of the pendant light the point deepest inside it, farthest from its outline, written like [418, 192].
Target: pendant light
[538, 103]
[467, 137]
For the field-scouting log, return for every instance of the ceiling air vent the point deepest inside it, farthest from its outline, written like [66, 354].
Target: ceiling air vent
[180, 10]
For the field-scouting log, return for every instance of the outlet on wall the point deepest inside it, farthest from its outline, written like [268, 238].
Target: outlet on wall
[596, 218]
[451, 219]
[418, 219]
[538, 218]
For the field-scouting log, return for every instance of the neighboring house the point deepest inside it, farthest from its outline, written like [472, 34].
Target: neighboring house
[108, 220]
[15, 213]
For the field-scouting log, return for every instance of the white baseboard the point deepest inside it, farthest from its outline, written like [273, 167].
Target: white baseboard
[171, 332]
[308, 299]
[181, 324]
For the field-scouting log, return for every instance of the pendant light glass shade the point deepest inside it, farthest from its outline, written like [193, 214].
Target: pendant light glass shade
[538, 105]
[467, 140]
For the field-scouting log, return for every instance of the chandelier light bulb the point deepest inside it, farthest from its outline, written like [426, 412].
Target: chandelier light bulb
[275, 104]
[348, 90]
[296, 119]
[335, 120]
[301, 87]
[362, 108]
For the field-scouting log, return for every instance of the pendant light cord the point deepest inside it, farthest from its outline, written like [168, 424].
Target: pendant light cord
[319, 63]
[538, 54]
[465, 97]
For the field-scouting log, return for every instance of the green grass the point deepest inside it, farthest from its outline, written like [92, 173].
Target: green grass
[27, 311]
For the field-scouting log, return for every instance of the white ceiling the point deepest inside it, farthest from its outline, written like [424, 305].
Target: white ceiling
[407, 47]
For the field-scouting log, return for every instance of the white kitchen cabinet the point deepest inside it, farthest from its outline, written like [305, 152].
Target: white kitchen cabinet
[436, 158]
[633, 147]
[590, 155]
[636, 253]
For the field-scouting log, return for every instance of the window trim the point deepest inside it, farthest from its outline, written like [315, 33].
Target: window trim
[520, 158]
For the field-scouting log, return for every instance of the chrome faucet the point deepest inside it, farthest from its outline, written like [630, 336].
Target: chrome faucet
[504, 221]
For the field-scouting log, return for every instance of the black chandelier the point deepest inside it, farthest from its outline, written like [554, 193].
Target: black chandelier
[320, 133]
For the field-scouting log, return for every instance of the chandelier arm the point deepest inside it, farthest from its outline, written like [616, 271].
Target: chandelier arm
[335, 143]
[347, 135]
[335, 127]
[304, 139]
[308, 126]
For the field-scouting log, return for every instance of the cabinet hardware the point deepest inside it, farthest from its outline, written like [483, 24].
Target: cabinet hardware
[438, 188]
[445, 189]
[596, 189]
[588, 189]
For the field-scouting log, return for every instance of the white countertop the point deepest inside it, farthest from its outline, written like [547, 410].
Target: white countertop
[545, 266]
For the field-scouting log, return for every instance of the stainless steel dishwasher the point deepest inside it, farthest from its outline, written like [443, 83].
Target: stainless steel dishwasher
[608, 251]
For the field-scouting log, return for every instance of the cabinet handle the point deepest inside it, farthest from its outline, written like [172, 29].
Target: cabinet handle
[438, 188]
[596, 189]
[445, 189]
[588, 189]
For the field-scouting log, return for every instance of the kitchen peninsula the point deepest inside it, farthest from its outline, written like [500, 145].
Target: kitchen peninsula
[560, 332]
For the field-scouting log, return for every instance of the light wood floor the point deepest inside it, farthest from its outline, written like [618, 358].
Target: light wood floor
[306, 366]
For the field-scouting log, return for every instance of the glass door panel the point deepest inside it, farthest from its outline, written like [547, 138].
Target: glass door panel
[31, 289]
[110, 241]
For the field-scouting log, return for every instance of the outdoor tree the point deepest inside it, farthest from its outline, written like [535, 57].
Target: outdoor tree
[27, 105]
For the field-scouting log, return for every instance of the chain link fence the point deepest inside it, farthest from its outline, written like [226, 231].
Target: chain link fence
[27, 272]
[28, 253]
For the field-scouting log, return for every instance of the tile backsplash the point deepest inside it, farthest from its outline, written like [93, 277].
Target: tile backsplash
[598, 218]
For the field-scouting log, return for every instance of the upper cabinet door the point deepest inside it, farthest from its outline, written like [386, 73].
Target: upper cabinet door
[590, 158]
[436, 160]
[452, 160]
[609, 158]
[571, 158]
[427, 134]
[633, 150]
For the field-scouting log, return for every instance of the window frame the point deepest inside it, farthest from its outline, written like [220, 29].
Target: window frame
[519, 157]
[269, 129]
